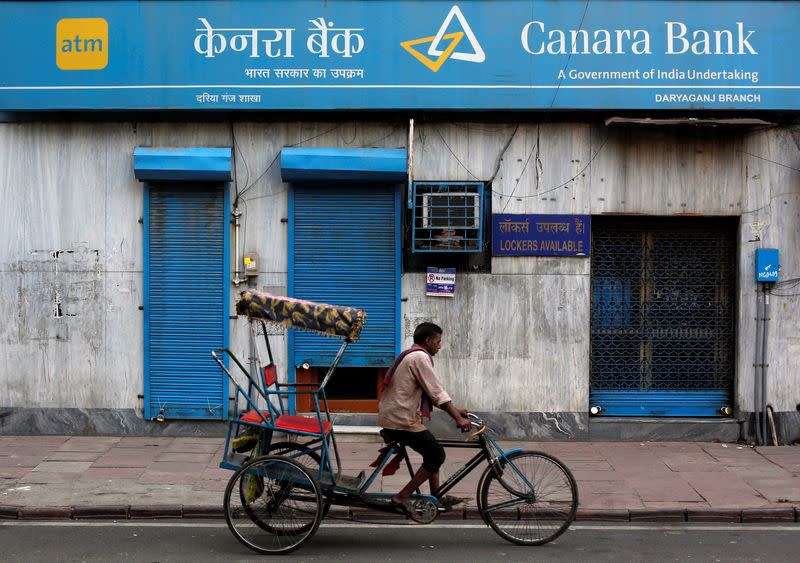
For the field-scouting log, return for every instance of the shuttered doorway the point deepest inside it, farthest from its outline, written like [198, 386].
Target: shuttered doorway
[186, 301]
[662, 336]
[345, 250]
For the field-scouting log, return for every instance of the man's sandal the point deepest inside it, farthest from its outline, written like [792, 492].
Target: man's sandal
[407, 508]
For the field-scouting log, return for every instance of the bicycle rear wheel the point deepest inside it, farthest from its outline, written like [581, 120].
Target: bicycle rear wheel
[528, 499]
[253, 484]
[273, 505]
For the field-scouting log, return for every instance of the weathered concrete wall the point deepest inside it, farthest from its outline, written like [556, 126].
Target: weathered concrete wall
[517, 339]
[771, 213]
[70, 266]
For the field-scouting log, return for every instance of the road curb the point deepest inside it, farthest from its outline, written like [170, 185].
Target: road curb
[662, 515]
[45, 512]
[156, 511]
[602, 515]
[713, 515]
[753, 515]
[216, 512]
[191, 511]
[9, 512]
[111, 512]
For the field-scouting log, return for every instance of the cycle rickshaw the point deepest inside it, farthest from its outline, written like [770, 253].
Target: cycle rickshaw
[282, 489]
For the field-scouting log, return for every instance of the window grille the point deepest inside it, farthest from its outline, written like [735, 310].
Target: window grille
[448, 217]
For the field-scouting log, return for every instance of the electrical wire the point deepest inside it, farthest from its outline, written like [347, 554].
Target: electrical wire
[565, 183]
[374, 142]
[545, 120]
[278, 154]
[235, 160]
[456, 156]
[235, 175]
[353, 138]
[524, 167]
[581, 171]
[771, 161]
[268, 168]
[756, 210]
[274, 194]
[569, 57]
[502, 154]
[784, 285]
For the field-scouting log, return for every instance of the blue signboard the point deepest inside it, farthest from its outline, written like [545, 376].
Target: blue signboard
[541, 235]
[417, 54]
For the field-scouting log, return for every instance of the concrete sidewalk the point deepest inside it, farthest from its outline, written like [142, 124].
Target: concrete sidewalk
[146, 477]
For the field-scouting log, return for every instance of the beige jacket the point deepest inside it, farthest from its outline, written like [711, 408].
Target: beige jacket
[399, 408]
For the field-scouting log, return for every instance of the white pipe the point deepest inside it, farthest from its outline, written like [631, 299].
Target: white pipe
[236, 214]
[757, 364]
[764, 364]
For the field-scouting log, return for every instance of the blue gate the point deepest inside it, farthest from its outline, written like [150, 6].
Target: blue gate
[344, 249]
[186, 300]
[662, 328]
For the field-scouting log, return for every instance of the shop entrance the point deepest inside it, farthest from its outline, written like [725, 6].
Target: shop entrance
[185, 300]
[662, 317]
[344, 249]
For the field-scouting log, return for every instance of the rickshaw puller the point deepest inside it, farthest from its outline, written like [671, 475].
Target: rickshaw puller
[411, 388]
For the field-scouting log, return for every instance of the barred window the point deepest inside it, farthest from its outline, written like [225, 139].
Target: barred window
[448, 217]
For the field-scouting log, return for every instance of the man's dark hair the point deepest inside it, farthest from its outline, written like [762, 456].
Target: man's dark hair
[425, 331]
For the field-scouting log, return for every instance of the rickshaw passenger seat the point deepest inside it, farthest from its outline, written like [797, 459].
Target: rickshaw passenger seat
[290, 422]
[303, 424]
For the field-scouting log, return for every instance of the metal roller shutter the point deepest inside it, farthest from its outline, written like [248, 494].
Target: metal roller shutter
[663, 316]
[186, 301]
[345, 250]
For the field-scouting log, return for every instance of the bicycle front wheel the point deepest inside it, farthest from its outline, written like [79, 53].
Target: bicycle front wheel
[530, 498]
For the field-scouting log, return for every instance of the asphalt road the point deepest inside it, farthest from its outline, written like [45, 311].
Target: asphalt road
[211, 541]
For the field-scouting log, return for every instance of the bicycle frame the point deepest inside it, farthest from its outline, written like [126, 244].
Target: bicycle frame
[361, 495]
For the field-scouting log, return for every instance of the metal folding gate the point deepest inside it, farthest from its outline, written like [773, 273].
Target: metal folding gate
[344, 249]
[662, 319]
[186, 301]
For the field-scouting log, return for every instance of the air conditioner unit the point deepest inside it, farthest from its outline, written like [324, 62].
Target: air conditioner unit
[451, 210]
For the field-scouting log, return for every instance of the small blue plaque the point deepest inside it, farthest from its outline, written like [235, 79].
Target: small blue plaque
[767, 264]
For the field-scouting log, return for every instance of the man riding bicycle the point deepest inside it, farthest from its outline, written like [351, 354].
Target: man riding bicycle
[411, 388]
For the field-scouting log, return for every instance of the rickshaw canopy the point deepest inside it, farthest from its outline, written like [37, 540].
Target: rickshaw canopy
[330, 320]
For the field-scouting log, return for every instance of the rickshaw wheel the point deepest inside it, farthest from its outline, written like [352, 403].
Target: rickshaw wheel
[273, 505]
[298, 452]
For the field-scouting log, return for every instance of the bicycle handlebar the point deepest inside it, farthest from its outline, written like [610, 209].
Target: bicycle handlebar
[476, 422]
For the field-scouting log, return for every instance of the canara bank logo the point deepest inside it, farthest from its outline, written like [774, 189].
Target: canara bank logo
[82, 44]
[443, 44]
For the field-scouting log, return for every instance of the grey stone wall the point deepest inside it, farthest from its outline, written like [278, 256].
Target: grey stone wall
[517, 339]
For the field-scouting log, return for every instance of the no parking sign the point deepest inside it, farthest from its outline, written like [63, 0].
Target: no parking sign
[441, 282]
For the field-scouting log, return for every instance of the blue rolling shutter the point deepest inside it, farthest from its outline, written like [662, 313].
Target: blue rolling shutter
[186, 301]
[345, 250]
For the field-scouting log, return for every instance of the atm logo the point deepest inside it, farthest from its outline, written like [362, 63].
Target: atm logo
[82, 44]
[443, 44]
